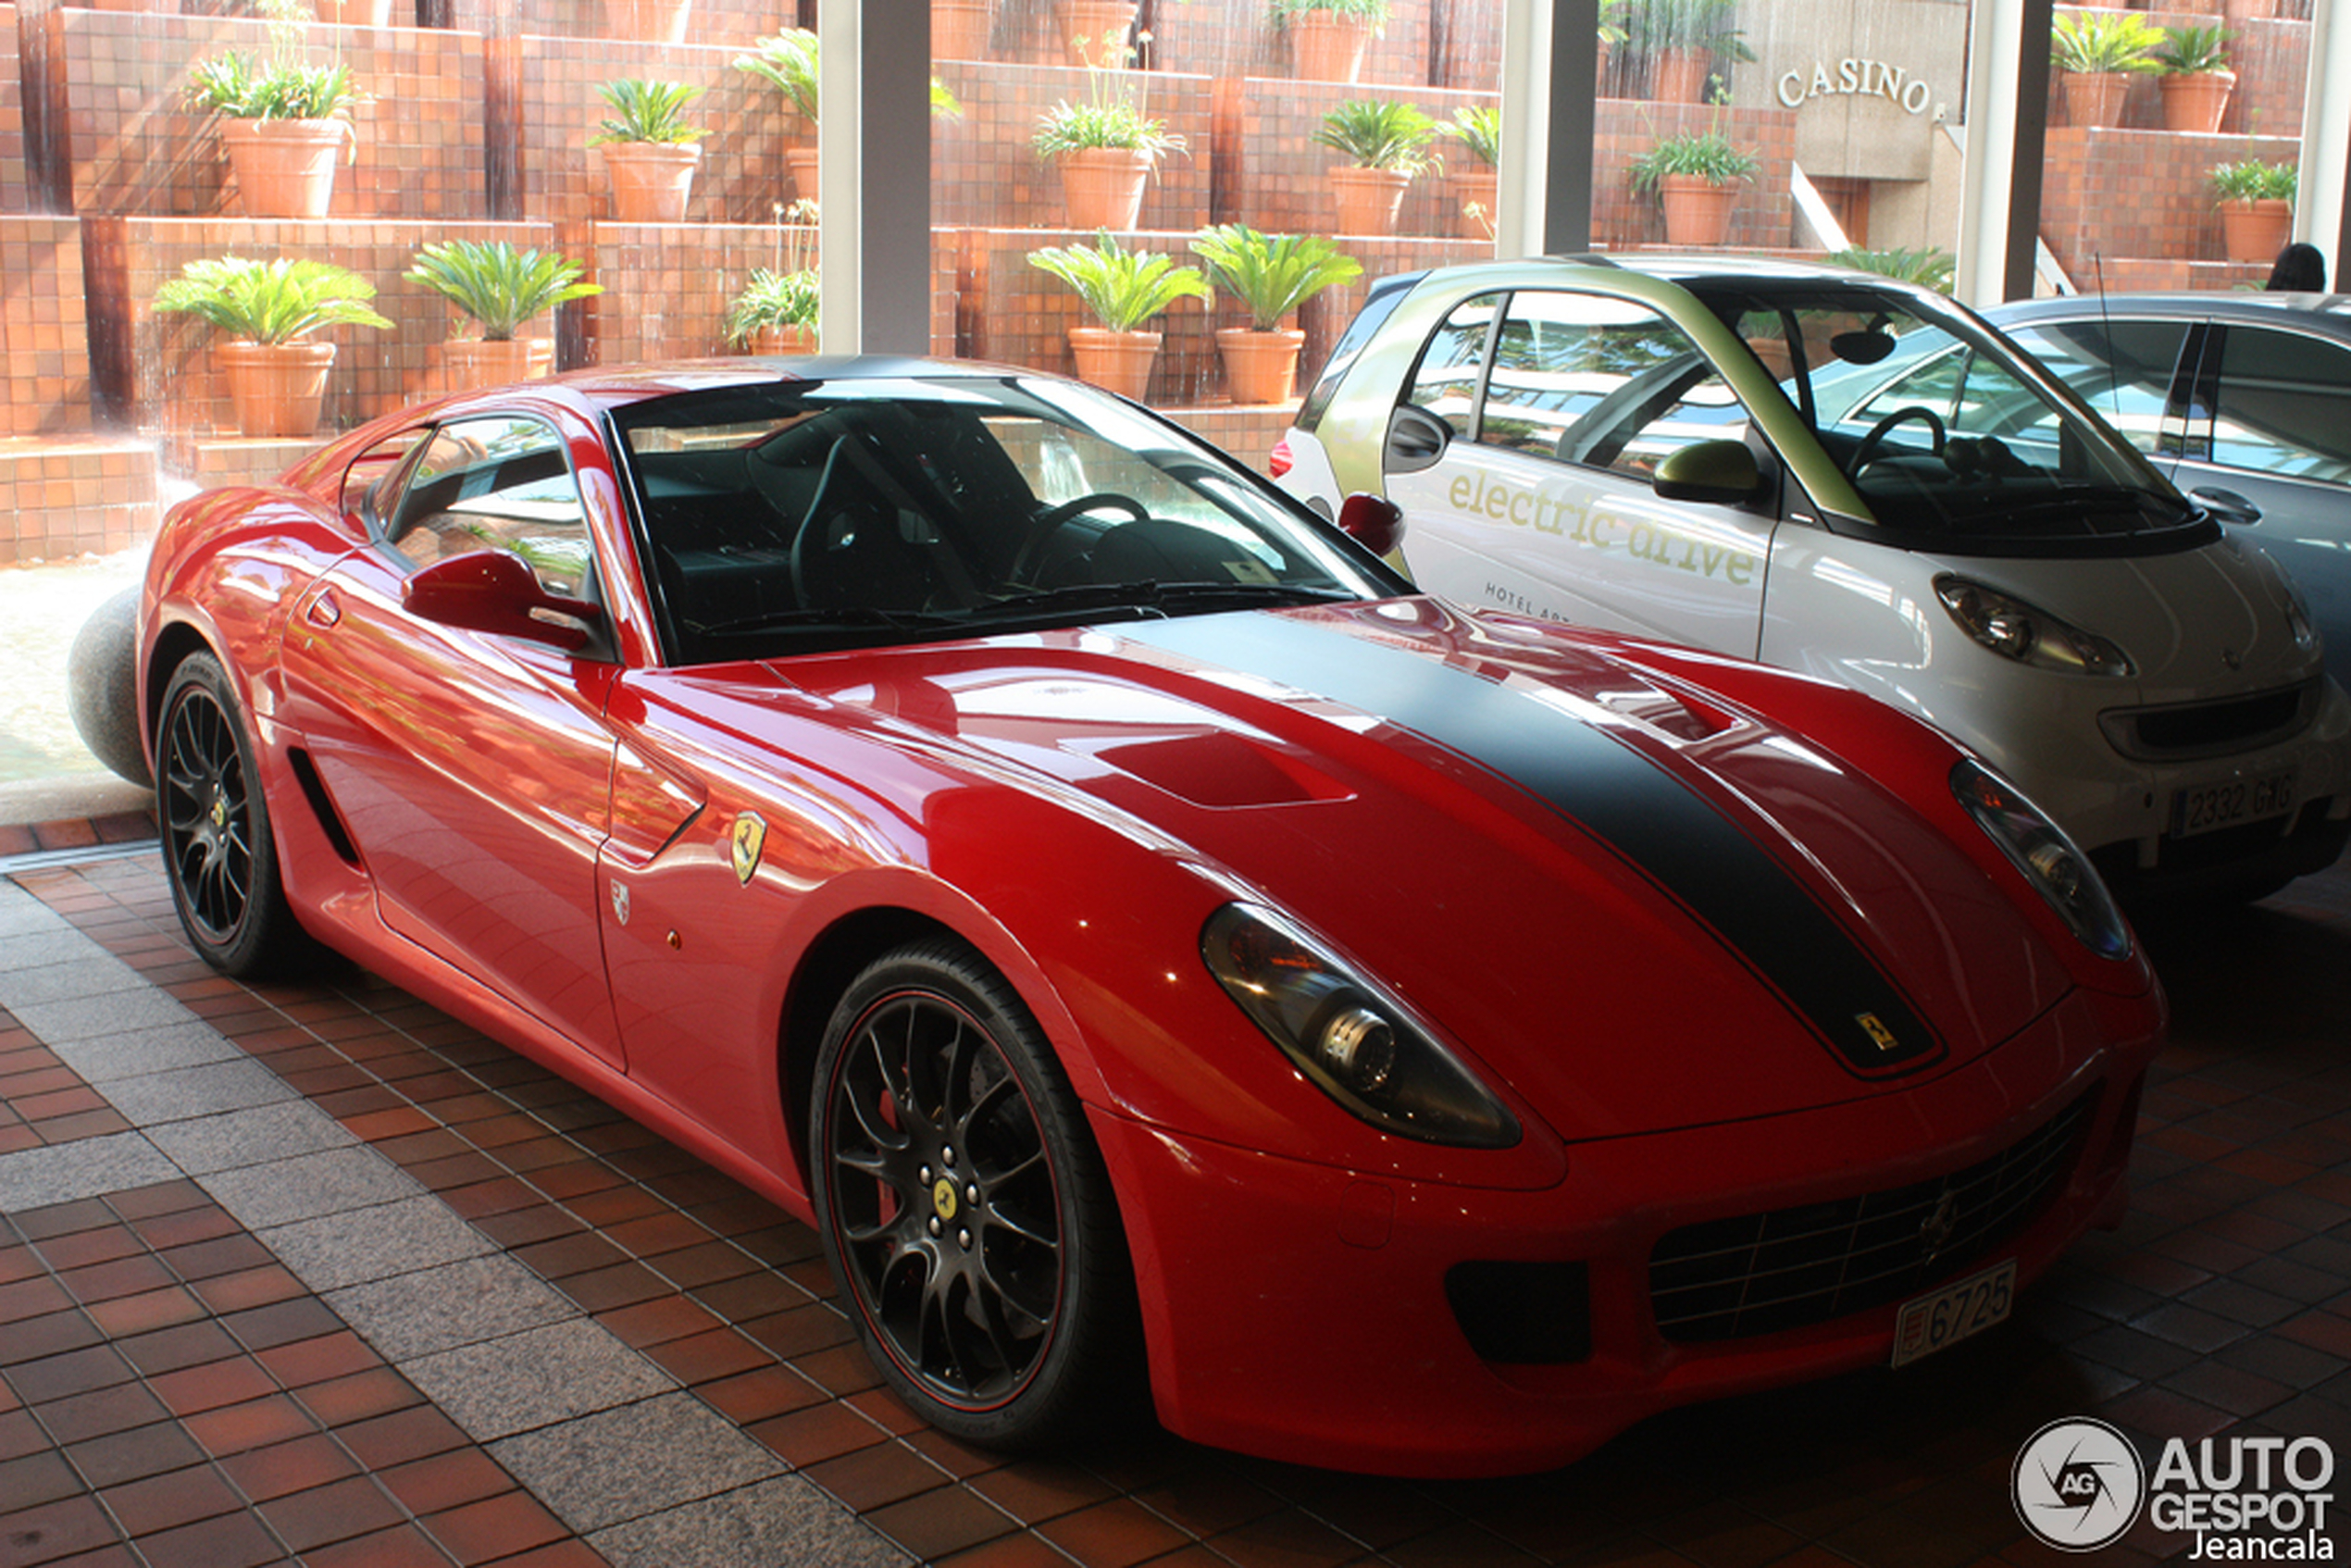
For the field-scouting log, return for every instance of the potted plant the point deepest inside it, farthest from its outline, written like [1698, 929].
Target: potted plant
[1387, 143]
[1328, 37]
[649, 150]
[647, 21]
[959, 29]
[277, 373]
[789, 61]
[501, 287]
[1122, 289]
[774, 312]
[1104, 149]
[1095, 32]
[1272, 275]
[1479, 131]
[283, 122]
[2099, 54]
[1695, 177]
[2196, 79]
[1683, 39]
[2257, 206]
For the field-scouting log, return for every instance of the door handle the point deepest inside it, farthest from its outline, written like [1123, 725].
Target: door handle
[322, 610]
[2228, 506]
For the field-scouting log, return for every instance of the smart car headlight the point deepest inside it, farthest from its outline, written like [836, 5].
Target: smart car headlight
[2061, 874]
[2015, 630]
[1358, 1044]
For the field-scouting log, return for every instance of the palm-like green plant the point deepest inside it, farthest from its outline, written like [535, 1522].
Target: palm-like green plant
[772, 299]
[2255, 179]
[1612, 21]
[1478, 130]
[647, 111]
[270, 302]
[789, 61]
[2193, 51]
[1122, 288]
[237, 86]
[2093, 42]
[1381, 133]
[1709, 155]
[1711, 25]
[498, 285]
[1271, 274]
[1930, 266]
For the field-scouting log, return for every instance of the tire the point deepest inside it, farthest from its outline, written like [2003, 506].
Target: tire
[219, 854]
[966, 1211]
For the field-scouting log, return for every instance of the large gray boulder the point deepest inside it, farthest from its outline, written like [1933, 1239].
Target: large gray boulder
[102, 685]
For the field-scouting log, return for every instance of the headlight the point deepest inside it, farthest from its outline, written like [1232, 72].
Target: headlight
[2015, 630]
[1359, 1045]
[2038, 846]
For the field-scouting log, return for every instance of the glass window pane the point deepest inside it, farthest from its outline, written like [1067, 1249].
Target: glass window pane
[1446, 383]
[499, 484]
[2285, 405]
[2121, 368]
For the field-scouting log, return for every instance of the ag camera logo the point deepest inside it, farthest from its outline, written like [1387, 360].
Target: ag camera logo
[2078, 1484]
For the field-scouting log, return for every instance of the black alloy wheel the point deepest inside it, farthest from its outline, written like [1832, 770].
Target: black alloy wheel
[965, 1213]
[219, 855]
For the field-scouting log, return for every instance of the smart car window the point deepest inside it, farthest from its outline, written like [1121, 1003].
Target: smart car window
[2122, 368]
[1446, 381]
[1559, 357]
[501, 482]
[2284, 405]
[1643, 390]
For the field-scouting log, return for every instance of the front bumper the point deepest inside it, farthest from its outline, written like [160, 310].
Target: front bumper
[1302, 1312]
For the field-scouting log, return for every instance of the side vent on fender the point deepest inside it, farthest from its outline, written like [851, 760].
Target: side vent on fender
[322, 806]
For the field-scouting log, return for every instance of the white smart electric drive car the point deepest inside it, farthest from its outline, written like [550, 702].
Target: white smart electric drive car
[1845, 474]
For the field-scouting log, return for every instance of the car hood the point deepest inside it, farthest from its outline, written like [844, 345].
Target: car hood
[1638, 906]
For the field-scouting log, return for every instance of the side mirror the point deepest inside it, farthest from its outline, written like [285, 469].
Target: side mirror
[1708, 470]
[495, 590]
[1372, 521]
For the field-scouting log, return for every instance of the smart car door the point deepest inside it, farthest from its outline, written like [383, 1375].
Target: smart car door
[1525, 456]
[471, 771]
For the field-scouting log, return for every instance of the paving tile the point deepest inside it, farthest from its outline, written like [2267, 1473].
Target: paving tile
[535, 1378]
[603, 1469]
[459, 1303]
[779, 1520]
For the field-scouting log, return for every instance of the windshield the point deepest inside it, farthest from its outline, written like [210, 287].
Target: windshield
[1942, 428]
[805, 516]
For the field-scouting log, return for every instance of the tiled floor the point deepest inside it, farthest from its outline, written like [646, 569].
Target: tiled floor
[314, 1273]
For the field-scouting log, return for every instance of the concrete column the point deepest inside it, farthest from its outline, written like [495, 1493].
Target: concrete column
[1549, 55]
[2319, 213]
[2006, 124]
[873, 175]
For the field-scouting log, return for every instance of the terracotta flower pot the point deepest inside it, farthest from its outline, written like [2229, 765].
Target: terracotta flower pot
[1102, 187]
[1328, 46]
[285, 168]
[1097, 33]
[784, 340]
[1475, 187]
[650, 180]
[1369, 199]
[1119, 362]
[2235, 11]
[1260, 366]
[1698, 212]
[2257, 230]
[1678, 75]
[277, 388]
[802, 162]
[488, 362]
[2195, 101]
[959, 29]
[2095, 97]
[647, 21]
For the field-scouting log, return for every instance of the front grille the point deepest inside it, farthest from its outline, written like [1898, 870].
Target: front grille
[1790, 1268]
[2203, 729]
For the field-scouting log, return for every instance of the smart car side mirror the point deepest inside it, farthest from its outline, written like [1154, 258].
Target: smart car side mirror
[495, 590]
[1708, 470]
[1372, 521]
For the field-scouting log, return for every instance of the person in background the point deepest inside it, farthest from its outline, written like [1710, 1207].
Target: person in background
[2300, 268]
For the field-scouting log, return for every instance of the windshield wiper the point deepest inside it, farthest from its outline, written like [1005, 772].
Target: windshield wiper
[851, 616]
[1154, 598]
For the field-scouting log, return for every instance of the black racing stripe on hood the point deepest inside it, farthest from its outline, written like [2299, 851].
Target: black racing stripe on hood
[1651, 820]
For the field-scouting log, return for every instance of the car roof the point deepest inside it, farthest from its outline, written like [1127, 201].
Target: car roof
[617, 386]
[2328, 313]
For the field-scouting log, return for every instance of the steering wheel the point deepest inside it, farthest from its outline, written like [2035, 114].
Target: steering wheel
[1049, 522]
[1869, 446]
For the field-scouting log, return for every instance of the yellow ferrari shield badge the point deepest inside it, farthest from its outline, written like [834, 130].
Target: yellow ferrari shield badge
[1872, 1025]
[750, 838]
